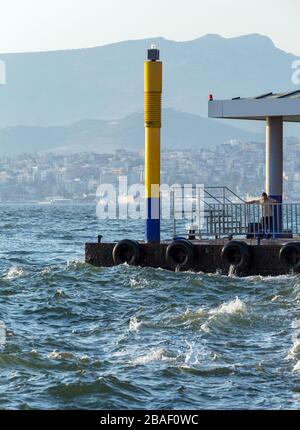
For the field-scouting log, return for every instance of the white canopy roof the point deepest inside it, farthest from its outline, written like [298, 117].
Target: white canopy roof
[286, 105]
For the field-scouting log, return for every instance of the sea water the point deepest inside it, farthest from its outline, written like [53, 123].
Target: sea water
[76, 336]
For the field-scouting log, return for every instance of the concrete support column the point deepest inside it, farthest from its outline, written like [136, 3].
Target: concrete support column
[274, 167]
[274, 158]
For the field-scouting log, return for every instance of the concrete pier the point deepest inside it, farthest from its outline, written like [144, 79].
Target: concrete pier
[269, 258]
[257, 255]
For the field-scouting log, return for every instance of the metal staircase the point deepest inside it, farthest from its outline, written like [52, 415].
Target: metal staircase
[220, 212]
[216, 200]
[211, 205]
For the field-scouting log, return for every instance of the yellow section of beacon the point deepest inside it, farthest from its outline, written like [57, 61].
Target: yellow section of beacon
[152, 162]
[152, 112]
[153, 76]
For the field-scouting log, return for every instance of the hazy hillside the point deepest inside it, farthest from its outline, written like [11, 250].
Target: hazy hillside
[55, 88]
[181, 130]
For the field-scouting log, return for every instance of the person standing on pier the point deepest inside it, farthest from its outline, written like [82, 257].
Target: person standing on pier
[267, 211]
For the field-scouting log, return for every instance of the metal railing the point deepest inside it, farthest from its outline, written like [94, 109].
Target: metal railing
[221, 195]
[268, 220]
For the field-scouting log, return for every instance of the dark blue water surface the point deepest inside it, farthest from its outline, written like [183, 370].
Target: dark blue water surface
[75, 336]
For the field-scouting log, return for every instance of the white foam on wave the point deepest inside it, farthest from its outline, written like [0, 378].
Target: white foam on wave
[278, 278]
[152, 356]
[294, 352]
[267, 279]
[195, 356]
[296, 292]
[84, 358]
[75, 264]
[2, 334]
[191, 357]
[233, 307]
[64, 355]
[296, 368]
[194, 314]
[15, 272]
[60, 294]
[134, 324]
[69, 265]
[198, 356]
[205, 327]
[191, 316]
[48, 269]
[134, 283]
[57, 355]
[138, 282]
[296, 326]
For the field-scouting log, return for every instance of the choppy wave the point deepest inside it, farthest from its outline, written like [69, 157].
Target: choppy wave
[15, 272]
[2, 334]
[138, 282]
[159, 354]
[78, 336]
[233, 307]
[134, 324]
[192, 357]
[65, 355]
[223, 315]
[296, 368]
[294, 352]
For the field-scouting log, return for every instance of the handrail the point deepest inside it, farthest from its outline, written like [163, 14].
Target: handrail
[269, 220]
[227, 189]
[210, 195]
[218, 199]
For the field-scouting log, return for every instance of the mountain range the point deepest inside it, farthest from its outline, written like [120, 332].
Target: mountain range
[181, 130]
[95, 95]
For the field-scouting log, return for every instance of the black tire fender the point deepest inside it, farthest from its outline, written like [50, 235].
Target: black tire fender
[236, 254]
[127, 251]
[289, 256]
[180, 254]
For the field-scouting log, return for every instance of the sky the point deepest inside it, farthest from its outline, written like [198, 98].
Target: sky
[41, 25]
